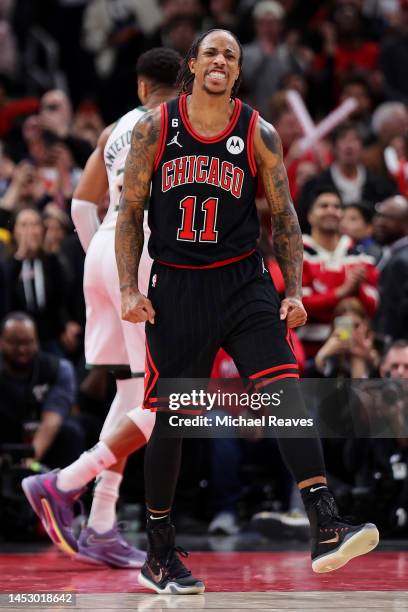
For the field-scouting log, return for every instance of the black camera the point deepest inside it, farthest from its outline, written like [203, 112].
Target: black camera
[17, 519]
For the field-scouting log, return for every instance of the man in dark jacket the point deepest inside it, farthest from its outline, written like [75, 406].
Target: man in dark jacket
[36, 282]
[391, 230]
[37, 391]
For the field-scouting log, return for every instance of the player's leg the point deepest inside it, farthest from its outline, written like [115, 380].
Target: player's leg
[261, 348]
[52, 496]
[54, 505]
[100, 540]
[106, 543]
[181, 343]
[130, 347]
[125, 347]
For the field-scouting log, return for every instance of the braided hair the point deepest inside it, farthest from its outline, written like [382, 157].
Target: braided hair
[185, 77]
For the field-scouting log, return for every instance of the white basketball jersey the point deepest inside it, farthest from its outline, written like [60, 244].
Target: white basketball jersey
[115, 153]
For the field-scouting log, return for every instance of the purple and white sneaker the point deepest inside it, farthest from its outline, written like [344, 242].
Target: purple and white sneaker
[54, 508]
[109, 548]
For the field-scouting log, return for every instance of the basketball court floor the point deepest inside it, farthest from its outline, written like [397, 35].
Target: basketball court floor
[268, 578]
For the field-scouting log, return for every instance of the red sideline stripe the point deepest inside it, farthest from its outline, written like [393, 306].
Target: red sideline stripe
[163, 135]
[232, 122]
[146, 378]
[217, 264]
[263, 383]
[289, 340]
[155, 370]
[250, 143]
[284, 366]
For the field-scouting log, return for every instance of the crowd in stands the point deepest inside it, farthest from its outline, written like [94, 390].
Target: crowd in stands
[67, 69]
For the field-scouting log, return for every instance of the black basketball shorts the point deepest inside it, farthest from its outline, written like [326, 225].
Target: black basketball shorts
[235, 307]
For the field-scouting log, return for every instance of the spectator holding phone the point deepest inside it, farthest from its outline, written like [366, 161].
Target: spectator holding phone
[349, 350]
[52, 158]
[348, 354]
[24, 190]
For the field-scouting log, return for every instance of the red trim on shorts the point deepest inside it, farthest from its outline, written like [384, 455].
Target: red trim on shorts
[250, 143]
[163, 135]
[284, 366]
[147, 404]
[148, 388]
[155, 400]
[167, 410]
[207, 140]
[289, 340]
[217, 264]
[165, 400]
[263, 383]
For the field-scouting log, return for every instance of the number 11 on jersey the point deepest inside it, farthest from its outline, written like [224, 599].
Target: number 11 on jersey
[187, 232]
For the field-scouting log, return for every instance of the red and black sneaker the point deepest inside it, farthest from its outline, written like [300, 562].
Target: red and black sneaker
[335, 540]
[163, 571]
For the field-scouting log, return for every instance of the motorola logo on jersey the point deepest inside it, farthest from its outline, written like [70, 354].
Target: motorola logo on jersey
[235, 145]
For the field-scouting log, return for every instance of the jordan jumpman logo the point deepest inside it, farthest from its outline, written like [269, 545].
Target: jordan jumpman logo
[175, 141]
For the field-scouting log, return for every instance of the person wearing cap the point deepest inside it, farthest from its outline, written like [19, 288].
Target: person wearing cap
[267, 59]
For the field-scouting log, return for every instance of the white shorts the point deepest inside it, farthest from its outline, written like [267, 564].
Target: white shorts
[109, 340]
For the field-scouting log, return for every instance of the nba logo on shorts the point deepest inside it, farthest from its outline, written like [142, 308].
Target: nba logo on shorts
[235, 145]
[154, 280]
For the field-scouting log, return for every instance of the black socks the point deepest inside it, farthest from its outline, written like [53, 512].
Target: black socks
[312, 493]
[155, 520]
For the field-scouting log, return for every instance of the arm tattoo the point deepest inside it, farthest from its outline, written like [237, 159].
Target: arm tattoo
[287, 237]
[129, 236]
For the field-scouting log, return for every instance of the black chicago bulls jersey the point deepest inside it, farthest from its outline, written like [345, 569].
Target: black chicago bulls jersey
[202, 207]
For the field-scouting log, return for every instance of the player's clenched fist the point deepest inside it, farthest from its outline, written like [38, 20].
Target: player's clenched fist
[136, 308]
[293, 311]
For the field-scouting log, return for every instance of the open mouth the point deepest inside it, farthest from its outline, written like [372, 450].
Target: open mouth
[217, 76]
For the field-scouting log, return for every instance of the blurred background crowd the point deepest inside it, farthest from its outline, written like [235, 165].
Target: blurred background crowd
[67, 69]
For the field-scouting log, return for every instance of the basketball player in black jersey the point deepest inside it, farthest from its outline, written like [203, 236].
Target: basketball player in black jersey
[201, 155]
